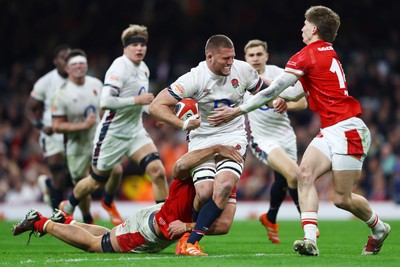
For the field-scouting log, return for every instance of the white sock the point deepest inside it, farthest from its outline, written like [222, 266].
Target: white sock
[309, 221]
[376, 225]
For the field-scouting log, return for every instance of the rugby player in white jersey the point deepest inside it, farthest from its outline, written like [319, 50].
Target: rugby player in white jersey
[272, 138]
[218, 81]
[124, 98]
[75, 113]
[39, 114]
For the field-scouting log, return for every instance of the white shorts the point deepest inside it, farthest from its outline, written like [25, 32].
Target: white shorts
[136, 235]
[51, 144]
[261, 148]
[346, 143]
[108, 149]
[208, 169]
[78, 165]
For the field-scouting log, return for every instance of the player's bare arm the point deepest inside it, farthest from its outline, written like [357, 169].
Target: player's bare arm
[160, 108]
[283, 81]
[61, 125]
[144, 99]
[34, 113]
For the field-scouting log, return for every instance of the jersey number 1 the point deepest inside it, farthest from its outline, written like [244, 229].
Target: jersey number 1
[336, 67]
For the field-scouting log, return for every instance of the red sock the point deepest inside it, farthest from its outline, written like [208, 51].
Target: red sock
[39, 224]
[68, 219]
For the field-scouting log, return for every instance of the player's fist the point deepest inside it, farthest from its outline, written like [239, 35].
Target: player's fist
[144, 99]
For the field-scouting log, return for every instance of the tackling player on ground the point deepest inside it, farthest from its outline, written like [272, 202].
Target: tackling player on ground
[149, 230]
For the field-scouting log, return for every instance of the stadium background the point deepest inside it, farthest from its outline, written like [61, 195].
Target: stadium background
[368, 45]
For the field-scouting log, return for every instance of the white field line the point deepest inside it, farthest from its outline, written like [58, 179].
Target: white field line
[149, 258]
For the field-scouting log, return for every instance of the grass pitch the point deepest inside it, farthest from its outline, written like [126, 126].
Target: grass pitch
[246, 244]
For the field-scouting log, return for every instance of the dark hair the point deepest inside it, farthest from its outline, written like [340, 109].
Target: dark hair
[218, 41]
[60, 48]
[75, 52]
[326, 20]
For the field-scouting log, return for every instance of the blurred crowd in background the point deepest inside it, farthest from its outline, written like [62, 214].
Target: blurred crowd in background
[369, 52]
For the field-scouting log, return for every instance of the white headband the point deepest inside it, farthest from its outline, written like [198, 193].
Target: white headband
[77, 59]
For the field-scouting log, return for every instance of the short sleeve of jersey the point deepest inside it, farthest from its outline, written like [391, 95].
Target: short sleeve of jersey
[58, 105]
[185, 85]
[253, 80]
[116, 74]
[39, 90]
[297, 64]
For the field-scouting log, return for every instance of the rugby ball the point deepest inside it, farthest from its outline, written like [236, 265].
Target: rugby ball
[186, 108]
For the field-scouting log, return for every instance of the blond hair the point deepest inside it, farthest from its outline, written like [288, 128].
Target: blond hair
[255, 43]
[134, 30]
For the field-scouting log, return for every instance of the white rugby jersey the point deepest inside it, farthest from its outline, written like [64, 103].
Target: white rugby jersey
[212, 91]
[264, 122]
[43, 90]
[125, 80]
[75, 103]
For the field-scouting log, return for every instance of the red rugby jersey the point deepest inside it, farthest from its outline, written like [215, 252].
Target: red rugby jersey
[177, 206]
[324, 82]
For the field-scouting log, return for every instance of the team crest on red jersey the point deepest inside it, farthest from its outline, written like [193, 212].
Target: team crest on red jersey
[235, 83]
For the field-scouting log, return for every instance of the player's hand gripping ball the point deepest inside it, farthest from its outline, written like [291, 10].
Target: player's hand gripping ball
[187, 108]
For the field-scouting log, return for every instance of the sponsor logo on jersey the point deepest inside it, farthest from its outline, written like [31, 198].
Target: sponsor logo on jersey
[95, 92]
[326, 48]
[207, 91]
[113, 78]
[235, 83]
[177, 88]
[161, 221]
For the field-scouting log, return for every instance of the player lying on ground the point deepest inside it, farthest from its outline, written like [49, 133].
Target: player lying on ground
[149, 229]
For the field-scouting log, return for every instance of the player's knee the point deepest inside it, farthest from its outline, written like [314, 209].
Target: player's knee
[97, 181]
[341, 202]
[156, 173]
[305, 177]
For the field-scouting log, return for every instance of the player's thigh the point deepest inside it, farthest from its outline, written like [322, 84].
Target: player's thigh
[78, 166]
[140, 145]
[343, 182]
[314, 164]
[108, 152]
[280, 161]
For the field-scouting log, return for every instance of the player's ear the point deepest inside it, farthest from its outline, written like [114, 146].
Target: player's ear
[208, 56]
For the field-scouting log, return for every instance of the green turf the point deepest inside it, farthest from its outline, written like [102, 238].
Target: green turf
[340, 244]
